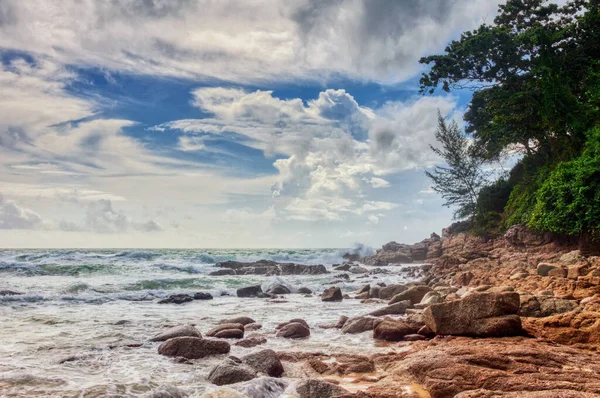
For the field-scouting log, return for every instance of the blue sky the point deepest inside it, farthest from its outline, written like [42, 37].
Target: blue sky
[221, 124]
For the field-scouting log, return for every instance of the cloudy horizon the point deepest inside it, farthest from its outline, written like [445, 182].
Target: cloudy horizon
[200, 124]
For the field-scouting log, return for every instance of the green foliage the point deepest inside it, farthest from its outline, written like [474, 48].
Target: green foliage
[461, 179]
[568, 201]
[535, 74]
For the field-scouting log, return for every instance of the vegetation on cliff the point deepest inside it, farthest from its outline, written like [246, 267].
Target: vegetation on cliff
[535, 76]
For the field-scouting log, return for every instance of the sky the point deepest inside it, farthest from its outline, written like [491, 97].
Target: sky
[222, 124]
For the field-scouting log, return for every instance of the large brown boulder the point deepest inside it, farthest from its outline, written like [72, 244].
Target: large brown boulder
[392, 309]
[390, 291]
[332, 294]
[177, 331]
[360, 324]
[225, 326]
[414, 294]
[293, 330]
[231, 371]
[265, 361]
[395, 329]
[193, 347]
[478, 314]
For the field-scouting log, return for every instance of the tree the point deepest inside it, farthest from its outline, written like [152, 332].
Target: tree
[462, 177]
[530, 71]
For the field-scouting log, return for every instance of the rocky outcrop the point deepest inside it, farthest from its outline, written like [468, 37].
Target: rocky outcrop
[267, 267]
[478, 314]
[413, 294]
[177, 299]
[193, 347]
[249, 291]
[399, 253]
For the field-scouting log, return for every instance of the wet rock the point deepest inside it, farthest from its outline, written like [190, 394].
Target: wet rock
[231, 371]
[360, 324]
[251, 341]
[10, 293]
[304, 290]
[301, 269]
[230, 334]
[177, 299]
[364, 289]
[295, 320]
[193, 347]
[165, 391]
[351, 256]
[249, 291]
[265, 361]
[244, 320]
[224, 326]
[478, 314]
[390, 291]
[414, 294]
[222, 272]
[313, 388]
[362, 296]
[203, 296]
[374, 292]
[414, 337]
[262, 387]
[252, 327]
[332, 294]
[267, 267]
[293, 330]
[177, 331]
[279, 289]
[343, 267]
[358, 270]
[393, 309]
[395, 329]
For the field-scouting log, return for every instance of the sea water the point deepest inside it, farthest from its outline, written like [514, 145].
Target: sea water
[82, 326]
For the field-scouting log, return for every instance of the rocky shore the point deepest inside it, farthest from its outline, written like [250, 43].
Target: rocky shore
[515, 316]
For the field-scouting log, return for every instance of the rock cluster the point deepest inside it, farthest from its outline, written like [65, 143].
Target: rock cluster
[267, 267]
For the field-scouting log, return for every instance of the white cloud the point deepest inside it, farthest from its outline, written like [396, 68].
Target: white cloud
[239, 40]
[13, 216]
[333, 148]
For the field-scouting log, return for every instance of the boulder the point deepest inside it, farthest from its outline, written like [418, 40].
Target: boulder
[558, 272]
[395, 329]
[244, 320]
[358, 270]
[230, 334]
[313, 388]
[296, 320]
[177, 299]
[390, 291]
[414, 294]
[432, 298]
[478, 314]
[222, 272]
[544, 268]
[177, 331]
[393, 309]
[304, 290]
[224, 326]
[231, 371]
[203, 296]
[360, 324]
[332, 294]
[374, 292]
[249, 291]
[193, 347]
[279, 289]
[294, 330]
[364, 289]
[252, 327]
[251, 341]
[264, 361]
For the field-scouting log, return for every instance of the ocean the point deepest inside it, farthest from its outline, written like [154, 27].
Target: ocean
[82, 326]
